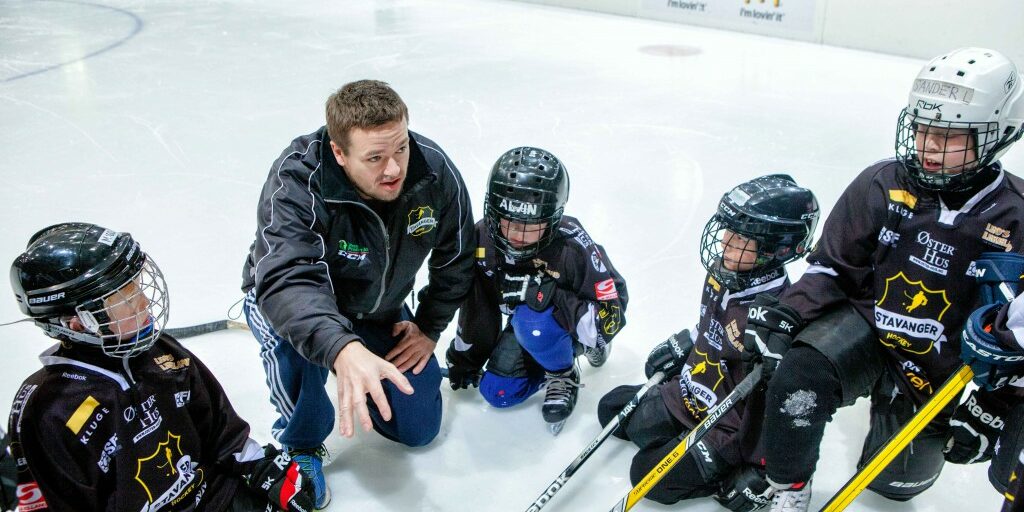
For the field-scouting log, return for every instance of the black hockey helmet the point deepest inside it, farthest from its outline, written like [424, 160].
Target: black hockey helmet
[100, 276]
[771, 211]
[529, 186]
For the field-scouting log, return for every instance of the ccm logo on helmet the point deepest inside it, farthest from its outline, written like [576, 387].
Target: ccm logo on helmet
[48, 298]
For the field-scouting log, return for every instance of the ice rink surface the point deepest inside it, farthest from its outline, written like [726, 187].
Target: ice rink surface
[162, 119]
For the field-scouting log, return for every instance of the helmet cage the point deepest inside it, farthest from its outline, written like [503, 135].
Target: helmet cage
[984, 140]
[124, 322]
[527, 223]
[772, 253]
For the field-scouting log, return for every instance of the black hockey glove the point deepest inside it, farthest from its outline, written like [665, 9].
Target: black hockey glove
[8, 476]
[746, 489]
[535, 290]
[771, 326]
[460, 377]
[669, 356]
[973, 430]
[277, 476]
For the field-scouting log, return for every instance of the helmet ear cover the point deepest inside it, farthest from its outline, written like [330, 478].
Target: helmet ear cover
[527, 186]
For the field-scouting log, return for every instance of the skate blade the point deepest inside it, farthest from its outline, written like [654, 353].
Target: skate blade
[556, 427]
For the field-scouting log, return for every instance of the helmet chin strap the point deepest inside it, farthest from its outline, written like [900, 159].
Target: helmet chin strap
[59, 331]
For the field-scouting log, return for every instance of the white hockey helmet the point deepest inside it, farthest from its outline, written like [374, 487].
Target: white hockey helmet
[975, 89]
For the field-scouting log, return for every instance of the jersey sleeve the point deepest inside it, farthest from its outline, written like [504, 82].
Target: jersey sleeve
[57, 470]
[597, 294]
[479, 323]
[840, 266]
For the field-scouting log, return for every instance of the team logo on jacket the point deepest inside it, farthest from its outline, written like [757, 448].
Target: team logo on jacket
[167, 363]
[909, 314]
[421, 221]
[605, 290]
[168, 475]
[699, 383]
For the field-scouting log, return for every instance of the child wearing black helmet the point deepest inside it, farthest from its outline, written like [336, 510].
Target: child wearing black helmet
[758, 228]
[560, 291]
[122, 417]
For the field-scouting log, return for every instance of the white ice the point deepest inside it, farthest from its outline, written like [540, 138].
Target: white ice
[162, 119]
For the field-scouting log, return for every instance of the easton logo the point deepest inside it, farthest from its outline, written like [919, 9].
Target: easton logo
[513, 206]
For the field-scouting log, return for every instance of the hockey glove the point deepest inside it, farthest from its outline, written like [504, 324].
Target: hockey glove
[745, 490]
[8, 476]
[281, 479]
[669, 356]
[535, 290]
[993, 366]
[771, 326]
[973, 430]
[997, 270]
[460, 377]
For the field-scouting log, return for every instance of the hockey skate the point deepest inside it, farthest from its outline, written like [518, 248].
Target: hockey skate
[596, 356]
[311, 461]
[560, 397]
[797, 498]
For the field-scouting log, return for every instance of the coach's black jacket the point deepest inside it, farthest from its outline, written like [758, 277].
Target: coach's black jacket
[323, 256]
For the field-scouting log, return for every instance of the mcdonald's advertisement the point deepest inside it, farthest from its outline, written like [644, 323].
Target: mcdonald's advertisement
[798, 19]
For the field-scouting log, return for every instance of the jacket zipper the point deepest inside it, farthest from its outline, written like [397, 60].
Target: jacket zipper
[387, 249]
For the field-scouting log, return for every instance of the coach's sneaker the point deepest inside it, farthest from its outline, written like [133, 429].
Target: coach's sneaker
[795, 498]
[596, 356]
[311, 460]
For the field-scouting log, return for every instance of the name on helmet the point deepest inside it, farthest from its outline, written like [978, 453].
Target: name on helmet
[48, 298]
[944, 90]
[514, 206]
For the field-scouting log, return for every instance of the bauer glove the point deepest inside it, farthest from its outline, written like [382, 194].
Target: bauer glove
[771, 326]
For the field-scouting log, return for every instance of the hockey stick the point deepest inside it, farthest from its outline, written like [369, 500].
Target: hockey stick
[196, 330]
[710, 421]
[559, 482]
[950, 390]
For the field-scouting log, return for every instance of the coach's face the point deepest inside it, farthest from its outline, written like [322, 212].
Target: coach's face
[376, 159]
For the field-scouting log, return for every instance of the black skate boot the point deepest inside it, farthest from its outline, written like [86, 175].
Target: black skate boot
[596, 356]
[560, 397]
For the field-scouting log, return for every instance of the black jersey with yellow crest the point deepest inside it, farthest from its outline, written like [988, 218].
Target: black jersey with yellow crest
[589, 299]
[905, 258]
[89, 434]
[715, 364]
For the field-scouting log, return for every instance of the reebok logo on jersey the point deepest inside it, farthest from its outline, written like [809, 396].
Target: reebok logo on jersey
[605, 290]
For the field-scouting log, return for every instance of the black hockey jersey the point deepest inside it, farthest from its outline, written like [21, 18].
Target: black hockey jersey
[906, 261]
[715, 366]
[590, 295]
[90, 434]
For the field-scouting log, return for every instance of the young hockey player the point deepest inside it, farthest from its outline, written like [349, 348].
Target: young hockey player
[759, 226]
[891, 282]
[560, 290]
[122, 417]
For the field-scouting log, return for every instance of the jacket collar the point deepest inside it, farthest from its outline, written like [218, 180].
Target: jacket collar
[335, 185]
